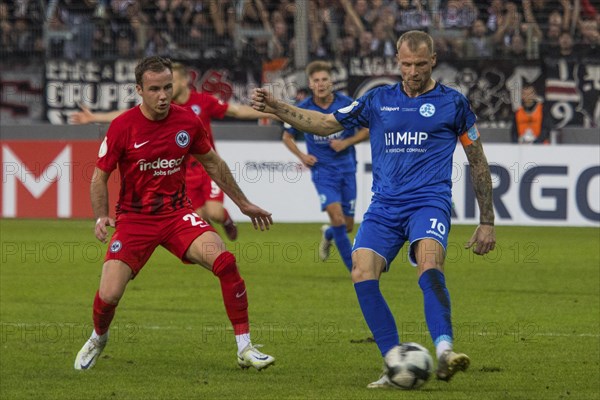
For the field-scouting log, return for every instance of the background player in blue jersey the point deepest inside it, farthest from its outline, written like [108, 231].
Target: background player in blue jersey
[333, 170]
[414, 127]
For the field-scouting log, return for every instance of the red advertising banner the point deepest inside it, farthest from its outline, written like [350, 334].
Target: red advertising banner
[50, 179]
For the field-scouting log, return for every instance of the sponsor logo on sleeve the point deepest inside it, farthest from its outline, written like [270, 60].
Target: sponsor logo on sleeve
[103, 148]
[347, 109]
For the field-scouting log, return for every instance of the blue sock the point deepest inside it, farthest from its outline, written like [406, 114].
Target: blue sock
[437, 305]
[377, 315]
[329, 233]
[343, 244]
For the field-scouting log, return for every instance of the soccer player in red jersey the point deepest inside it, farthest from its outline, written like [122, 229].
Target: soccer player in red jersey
[207, 197]
[149, 144]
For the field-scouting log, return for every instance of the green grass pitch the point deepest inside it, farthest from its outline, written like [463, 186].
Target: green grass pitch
[528, 315]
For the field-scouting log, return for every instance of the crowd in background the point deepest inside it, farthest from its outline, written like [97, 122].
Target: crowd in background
[264, 29]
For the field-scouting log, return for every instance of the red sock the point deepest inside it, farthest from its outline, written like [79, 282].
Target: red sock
[103, 315]
[233, 289]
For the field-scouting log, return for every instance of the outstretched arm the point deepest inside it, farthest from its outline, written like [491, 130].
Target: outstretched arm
[342, 144]
[99, 196]
[301, 119]
[85, 116]
[484, 238]
[218, 170]
[241, 111]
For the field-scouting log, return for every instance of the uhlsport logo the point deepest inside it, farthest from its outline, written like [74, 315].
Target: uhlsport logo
[182, 139]
[196, 109]
[427, 110]
[116, 246]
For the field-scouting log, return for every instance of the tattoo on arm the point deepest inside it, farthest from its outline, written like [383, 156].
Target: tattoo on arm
[482, 180]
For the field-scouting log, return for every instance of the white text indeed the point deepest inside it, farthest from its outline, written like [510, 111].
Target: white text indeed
[159, 164]
[405, 138]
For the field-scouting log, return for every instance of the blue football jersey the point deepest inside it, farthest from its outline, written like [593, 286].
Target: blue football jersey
[328, 159]
[412, 141]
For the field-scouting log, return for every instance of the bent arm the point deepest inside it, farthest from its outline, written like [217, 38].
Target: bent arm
[360, 136]
[342, 144]
[290, 143]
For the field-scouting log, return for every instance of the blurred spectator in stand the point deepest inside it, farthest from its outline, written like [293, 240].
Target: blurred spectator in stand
[364, 46]
[6, 27]
[479, 44]
[361, 9]
[346, 48]
[529, 125]
[279, 45]
[509, 25]
[320, 20]
[490, 13]
[103, 42]
[589, 44]
[124, 45]
[409, 15]
[566, 47]
[376, 9]
[157, 45]
[384, 41]
[549, 45]
[589, 10]
[547, 12]
[78, 16]
[517, 49]
[128, 16]
[452, 24]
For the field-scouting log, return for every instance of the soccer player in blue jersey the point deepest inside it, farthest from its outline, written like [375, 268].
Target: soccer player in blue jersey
[333, 170]
[414, 128]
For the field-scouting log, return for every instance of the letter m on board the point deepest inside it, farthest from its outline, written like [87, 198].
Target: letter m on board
[15, 173]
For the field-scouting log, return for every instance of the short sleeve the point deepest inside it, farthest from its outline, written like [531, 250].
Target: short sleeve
[356, 113]
[290, 129]
[216, 107]
[201, 144]
[465, 117]
[111, 148]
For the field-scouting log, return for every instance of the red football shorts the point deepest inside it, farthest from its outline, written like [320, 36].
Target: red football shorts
[137, 235]
[199, 187]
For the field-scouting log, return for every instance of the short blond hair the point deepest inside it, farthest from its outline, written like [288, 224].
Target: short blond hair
[414, 39]
[317, 66]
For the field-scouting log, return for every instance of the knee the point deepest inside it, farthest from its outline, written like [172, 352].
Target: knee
[337, 220]
[360, 274]
[216, 215]
[224, 264]
[110, 295]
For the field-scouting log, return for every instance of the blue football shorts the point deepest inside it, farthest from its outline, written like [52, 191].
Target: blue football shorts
[336, 188]
[386, 228]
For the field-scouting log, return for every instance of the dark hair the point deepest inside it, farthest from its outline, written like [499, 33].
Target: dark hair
[154, 64]
[415, 39]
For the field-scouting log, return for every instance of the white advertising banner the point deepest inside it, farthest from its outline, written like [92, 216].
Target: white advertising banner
[533, 185]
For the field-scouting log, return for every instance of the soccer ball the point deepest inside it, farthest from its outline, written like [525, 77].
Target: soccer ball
[408, 365]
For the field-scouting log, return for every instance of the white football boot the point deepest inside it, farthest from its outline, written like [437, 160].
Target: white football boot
[89, 353]
[251, 357]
